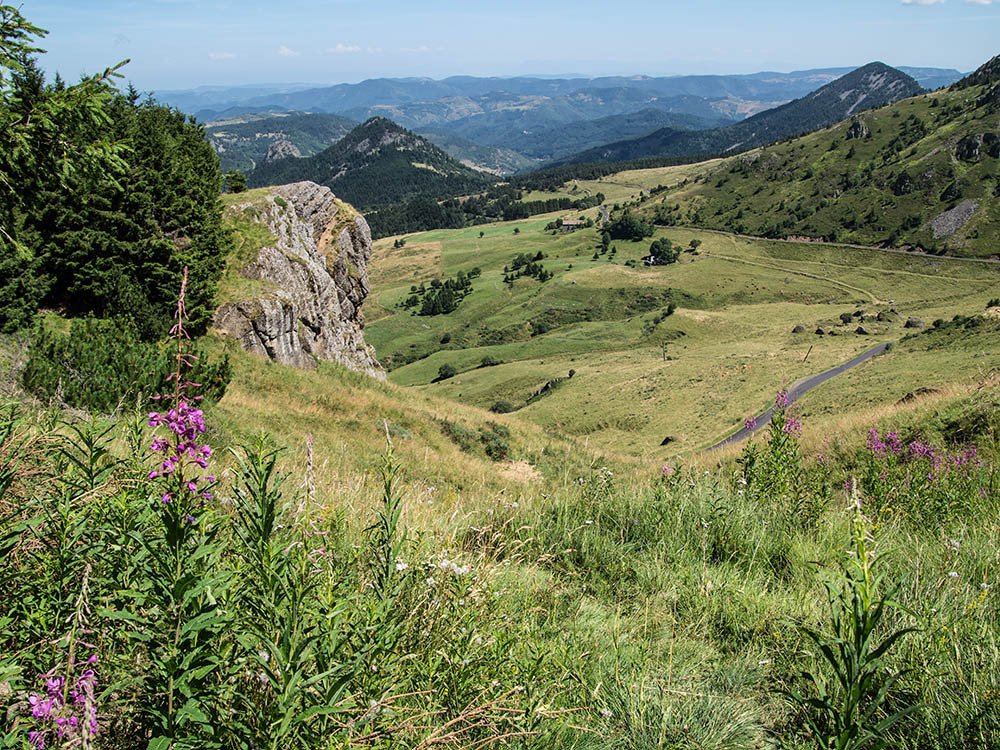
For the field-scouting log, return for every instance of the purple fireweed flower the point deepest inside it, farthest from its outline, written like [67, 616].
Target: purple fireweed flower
[66, 714]
[893, 444]
[781, 400]
[750, 423]
[792, 427]
[875, 445]
[183, 454]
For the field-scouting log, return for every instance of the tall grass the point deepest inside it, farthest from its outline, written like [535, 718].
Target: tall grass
[254, 605]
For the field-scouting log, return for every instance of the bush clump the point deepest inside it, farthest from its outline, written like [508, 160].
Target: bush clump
[102, 364]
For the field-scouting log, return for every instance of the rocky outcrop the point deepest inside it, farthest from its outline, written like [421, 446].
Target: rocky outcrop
[314, 279]
[282, 150]
[857, 129]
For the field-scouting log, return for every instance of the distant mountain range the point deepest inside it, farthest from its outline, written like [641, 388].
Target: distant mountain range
[377, 163]
[872, 85]
[212, 102]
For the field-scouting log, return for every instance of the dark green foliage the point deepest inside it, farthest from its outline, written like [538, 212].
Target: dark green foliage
[662, 252]
[103, 365]
[461, 436]
[492, 437]
[442, 297]
[503, 407]
[854, 703]
[524, 265]
[499, 203]
[985, 74]
[245, 144]
[490, 361]
[446, 371]
[113, 236]
[236, 181]
[629, 226]
[494, 441]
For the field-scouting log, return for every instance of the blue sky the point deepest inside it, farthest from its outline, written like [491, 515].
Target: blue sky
[185, 43]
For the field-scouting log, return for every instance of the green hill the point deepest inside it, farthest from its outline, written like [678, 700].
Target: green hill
[921, 173]
[244, 142]
[870, 86]
[375, 164]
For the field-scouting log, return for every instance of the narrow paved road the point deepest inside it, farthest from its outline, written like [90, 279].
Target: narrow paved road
[896, 250]
[797, 390]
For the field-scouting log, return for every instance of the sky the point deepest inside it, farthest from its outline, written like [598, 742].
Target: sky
[178, 44]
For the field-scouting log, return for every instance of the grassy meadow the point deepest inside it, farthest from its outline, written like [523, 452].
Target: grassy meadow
[641, 377]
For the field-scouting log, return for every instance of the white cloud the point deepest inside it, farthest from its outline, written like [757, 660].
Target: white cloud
[285, 52]
[922, 2]
[416, 50]
[221, 55]
[980, 2]
[343, 49]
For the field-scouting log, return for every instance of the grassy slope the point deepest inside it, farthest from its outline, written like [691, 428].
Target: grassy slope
[826, 185]
[730, 341]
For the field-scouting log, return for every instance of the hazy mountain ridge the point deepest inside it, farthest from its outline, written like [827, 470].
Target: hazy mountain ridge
[207, 102]
[872, 85]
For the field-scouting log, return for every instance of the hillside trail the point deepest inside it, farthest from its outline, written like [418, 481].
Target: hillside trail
[796, 390]
[777, 267]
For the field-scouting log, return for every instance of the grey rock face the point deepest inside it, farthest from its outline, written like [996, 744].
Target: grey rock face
[318, 271]
[282, 150]
[857, 129]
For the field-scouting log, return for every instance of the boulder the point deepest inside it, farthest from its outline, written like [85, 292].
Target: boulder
[799, 329]
[913, 323]
[820, 331]
[862, 331]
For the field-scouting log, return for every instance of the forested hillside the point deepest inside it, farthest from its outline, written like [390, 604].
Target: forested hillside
[375, 164]
[247, 141]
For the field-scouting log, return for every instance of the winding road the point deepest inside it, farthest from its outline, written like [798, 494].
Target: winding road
[796, 390]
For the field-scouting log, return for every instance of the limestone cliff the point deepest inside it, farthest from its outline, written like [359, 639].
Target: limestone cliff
[312, 281]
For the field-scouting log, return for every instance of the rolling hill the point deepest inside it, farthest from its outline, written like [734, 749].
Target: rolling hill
[870, 86]
[377, 163]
